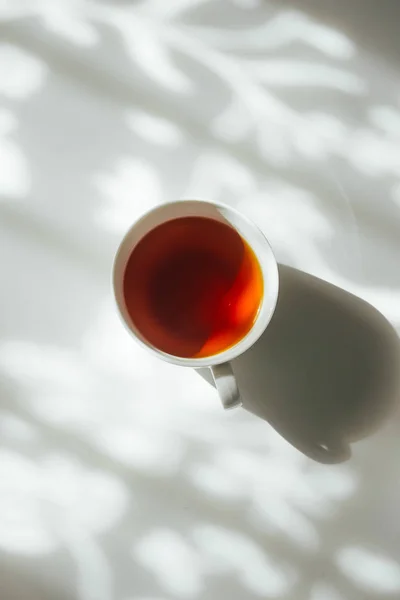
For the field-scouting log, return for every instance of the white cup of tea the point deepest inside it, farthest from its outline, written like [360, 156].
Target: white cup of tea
[196, 284]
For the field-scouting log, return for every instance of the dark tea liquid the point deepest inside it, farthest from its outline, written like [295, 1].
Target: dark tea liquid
[193, 287]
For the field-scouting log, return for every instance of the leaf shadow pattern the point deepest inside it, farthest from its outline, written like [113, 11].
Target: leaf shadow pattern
[129, 480]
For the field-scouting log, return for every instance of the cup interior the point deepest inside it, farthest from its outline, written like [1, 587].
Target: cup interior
[246, 229]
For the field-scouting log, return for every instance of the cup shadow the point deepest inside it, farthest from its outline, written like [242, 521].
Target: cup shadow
[325, 371]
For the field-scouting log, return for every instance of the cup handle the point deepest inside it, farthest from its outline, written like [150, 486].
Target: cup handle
[226, 385]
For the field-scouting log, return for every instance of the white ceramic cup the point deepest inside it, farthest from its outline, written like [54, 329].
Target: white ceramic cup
[218, 363]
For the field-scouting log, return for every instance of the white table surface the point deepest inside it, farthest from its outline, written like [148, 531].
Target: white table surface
[120, 477]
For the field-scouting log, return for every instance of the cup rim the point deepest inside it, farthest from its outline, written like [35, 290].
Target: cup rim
[265, 313]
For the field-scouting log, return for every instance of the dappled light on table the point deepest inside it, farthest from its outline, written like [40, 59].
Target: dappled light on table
[369, 570]
[121, 478]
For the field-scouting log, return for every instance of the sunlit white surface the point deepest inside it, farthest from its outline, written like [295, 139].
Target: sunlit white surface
[154, 129]
[172, 561]
[120, 477]
[130, 178]
[370, 570]
[14, 174]
[21, 73]
[229, 550]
